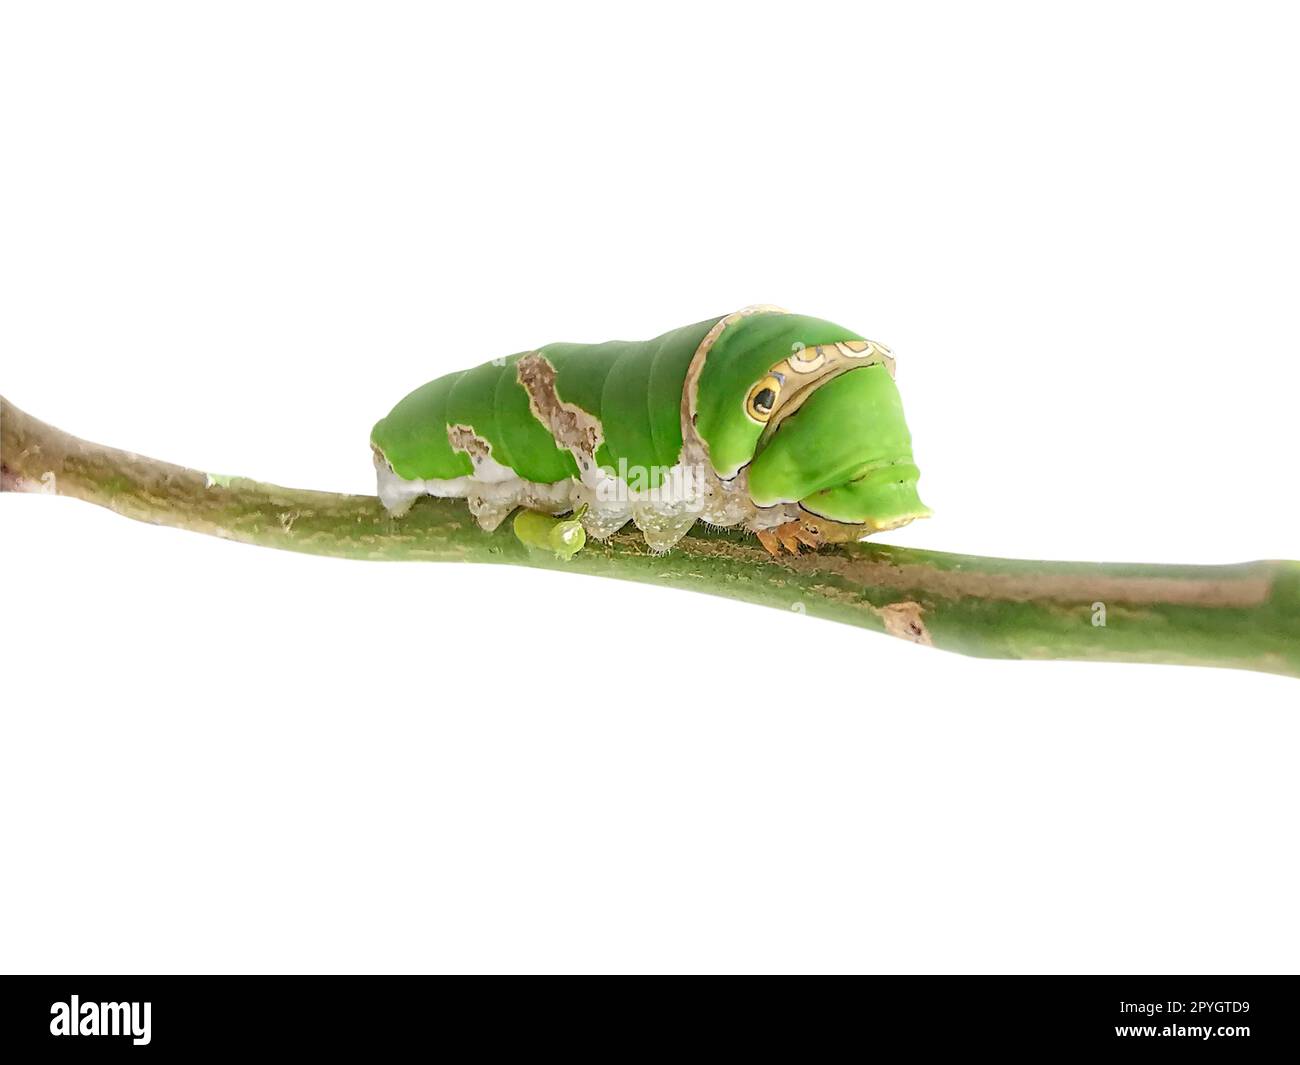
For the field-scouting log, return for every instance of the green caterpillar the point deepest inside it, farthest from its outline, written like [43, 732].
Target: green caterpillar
[789, 426]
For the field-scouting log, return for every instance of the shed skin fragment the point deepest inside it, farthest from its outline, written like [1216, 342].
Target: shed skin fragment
[564, 537]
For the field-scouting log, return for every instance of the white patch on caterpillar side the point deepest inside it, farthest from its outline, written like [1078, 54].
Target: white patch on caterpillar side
[490, 499]
[663, 515]
[491, 502]
[397, 493]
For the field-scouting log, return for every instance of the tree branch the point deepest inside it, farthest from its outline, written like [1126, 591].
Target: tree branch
[1244, 616]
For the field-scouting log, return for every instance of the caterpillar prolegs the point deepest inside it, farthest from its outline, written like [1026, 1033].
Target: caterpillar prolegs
[789, 426]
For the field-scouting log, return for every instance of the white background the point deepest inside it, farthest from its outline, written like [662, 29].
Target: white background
[235, 234]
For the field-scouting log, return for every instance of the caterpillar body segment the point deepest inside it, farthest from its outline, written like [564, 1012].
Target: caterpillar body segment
[786, 425]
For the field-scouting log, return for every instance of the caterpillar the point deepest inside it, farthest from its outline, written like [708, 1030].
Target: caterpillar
[789, 426]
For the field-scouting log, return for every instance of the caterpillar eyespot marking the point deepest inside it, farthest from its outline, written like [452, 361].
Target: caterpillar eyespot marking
[762, 398]
[787, 426]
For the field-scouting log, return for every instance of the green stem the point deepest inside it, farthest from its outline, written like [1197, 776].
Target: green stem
[1244, 616]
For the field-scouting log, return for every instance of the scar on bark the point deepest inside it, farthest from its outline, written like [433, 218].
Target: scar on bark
[906, 621]
[572, 427]
[16, 482]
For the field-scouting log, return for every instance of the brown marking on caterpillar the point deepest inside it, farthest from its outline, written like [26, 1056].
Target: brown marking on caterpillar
[463, 438]
[571, 426]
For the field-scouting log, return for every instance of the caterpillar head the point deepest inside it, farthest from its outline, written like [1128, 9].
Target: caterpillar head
[812, 413]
